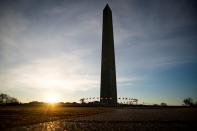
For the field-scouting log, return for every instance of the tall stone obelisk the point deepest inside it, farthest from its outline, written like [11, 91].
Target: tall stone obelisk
[108, 92]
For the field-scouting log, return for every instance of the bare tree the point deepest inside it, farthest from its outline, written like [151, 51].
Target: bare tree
[82, 101]
[163, 104]
[6, 99]
[188, 101]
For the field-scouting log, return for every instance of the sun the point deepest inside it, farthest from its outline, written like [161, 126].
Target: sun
[52, 98]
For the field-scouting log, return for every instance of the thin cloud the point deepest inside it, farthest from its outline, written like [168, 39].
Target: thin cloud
[59, 72]
[59, 43]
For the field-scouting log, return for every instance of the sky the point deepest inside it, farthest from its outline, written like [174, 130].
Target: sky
[53, 47]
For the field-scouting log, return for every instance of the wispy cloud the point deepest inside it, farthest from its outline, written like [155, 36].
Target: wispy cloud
[57, 44]
[63, 72]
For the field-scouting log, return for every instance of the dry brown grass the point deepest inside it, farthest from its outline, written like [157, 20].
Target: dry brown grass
[12, 116]
[95, 118]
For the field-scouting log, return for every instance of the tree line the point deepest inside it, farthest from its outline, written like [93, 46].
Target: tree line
[6, 99]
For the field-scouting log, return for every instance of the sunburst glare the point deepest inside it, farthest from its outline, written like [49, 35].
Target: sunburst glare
[52, 98]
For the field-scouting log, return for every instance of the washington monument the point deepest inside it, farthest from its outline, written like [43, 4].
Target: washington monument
[108, 92]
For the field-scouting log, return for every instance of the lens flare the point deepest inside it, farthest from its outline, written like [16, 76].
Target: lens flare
[52, 98]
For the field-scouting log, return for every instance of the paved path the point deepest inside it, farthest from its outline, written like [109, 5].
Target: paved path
[125, 119]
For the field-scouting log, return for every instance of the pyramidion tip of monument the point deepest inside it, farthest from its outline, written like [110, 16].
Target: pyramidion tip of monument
[107, 7]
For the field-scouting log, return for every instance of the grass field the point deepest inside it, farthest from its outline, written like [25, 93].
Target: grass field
[13, 116]
[59, 118]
